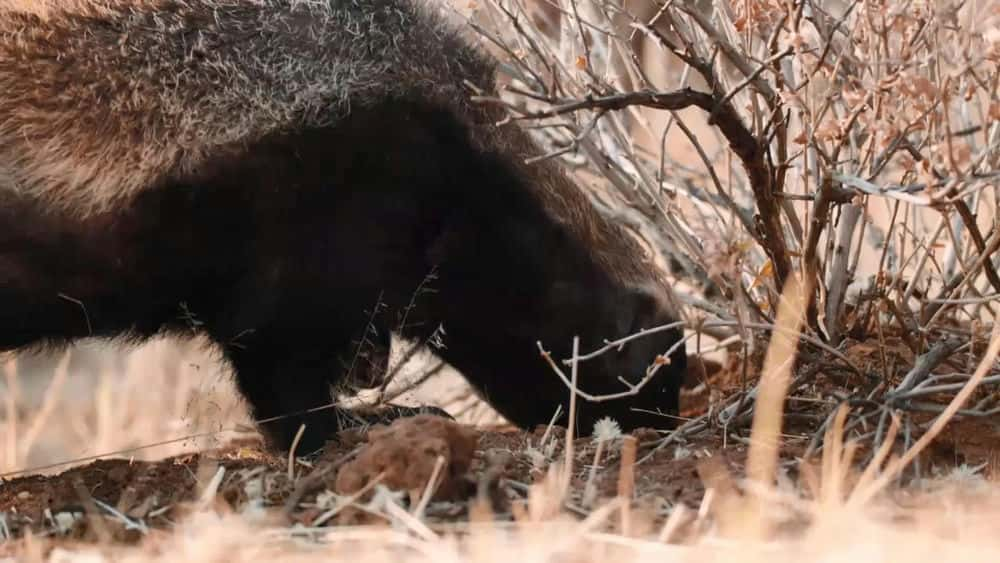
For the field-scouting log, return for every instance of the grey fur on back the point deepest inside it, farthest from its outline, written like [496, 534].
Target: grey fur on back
[100, 100]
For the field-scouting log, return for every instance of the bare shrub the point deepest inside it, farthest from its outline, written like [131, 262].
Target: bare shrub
[854, 145]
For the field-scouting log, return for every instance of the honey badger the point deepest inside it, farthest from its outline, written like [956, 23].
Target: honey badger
[263, 172]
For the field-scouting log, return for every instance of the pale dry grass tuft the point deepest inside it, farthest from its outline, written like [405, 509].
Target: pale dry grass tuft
[106, 401]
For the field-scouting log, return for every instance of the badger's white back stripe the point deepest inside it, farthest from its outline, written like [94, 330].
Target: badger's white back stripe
[102, 99]
[99, 100]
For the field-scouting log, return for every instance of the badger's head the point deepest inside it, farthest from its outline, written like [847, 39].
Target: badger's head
[531, 260]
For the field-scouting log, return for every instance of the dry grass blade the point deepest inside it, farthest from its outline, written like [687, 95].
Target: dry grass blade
[775, 379]
[428, 492]
[626, 482]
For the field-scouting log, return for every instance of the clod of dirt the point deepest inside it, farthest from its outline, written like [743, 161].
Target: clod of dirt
[405, 453]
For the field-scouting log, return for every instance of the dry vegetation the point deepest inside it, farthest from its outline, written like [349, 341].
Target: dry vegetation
[822, 179]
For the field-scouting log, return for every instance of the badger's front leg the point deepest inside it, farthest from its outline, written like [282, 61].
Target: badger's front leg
[286, 380]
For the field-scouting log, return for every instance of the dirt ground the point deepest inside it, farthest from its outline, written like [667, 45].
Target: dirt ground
[153, 495]
[474, 468]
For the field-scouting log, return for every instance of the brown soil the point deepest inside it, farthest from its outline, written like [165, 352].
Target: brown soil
[121, 500]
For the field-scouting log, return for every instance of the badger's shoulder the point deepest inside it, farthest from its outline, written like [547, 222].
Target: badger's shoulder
[99, 99]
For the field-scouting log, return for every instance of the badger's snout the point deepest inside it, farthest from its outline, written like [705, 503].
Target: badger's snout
[642, 316]
[642, 313]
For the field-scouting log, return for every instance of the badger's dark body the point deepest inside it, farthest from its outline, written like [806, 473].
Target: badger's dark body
[140, 192]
